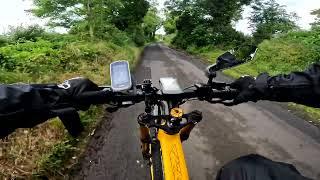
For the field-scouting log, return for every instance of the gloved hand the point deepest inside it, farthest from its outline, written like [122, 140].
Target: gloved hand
[248, 91]
[26, 105]
[72, 92]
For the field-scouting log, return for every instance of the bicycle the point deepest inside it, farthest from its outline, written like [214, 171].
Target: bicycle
[164, 125]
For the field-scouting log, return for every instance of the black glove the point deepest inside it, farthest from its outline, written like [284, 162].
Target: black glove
[248, 91]
[25, 105]
[74, 92]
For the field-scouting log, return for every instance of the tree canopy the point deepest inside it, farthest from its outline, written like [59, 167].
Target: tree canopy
[211, 22]
[151, 23]
[92, 15]
[316, 12]
[203, 22]
[269, 18]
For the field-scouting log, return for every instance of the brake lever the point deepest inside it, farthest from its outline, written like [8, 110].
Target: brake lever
[224, 102]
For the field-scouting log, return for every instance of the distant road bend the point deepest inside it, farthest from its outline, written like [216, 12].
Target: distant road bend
[224, 133]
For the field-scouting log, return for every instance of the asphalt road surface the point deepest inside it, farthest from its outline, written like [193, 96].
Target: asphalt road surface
[224, 133]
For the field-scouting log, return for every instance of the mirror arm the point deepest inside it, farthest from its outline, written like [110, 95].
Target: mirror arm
[210, 80]
[210, 77]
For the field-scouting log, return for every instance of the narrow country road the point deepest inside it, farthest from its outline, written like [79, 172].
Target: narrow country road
[225, 133]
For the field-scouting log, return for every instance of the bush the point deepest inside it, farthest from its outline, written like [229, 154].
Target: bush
[30, 33]
[181, 40]
[4, 40]
[31, 57]
[54, 53]
[289, 52]
[113, 34]
[286, 53]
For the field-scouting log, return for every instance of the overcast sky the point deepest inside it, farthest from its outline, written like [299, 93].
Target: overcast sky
[12, 13]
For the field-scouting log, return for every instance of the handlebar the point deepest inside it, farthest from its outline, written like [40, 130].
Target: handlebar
[140, 94]
[151, 96]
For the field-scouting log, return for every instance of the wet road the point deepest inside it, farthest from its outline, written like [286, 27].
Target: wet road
[224, 133]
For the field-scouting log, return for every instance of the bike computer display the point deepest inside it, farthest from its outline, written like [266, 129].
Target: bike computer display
[120, 76]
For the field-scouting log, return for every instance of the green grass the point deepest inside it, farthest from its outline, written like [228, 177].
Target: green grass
[246, 69]
[210, 53]
[311, 114]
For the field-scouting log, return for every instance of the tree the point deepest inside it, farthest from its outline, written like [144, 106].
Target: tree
[316, 13]
[269, 18]
[91, 15]
[204, 22]
[151, 23]
[130, 13]
[169, 23]
[65, 13]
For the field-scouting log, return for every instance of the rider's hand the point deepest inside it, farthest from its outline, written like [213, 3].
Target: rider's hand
[25, 105]
[72, 90]
[75, 94]
[247, 90]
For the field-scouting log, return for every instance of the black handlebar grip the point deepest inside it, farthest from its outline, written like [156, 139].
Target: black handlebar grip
[94, 97]
[234, 92]
[225, 94]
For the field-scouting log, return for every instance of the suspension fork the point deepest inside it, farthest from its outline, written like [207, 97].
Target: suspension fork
[195, 117]
[185, 132]
[148, 135]
[145, 140]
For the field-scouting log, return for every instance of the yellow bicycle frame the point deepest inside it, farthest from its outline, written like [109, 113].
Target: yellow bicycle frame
[174, 164]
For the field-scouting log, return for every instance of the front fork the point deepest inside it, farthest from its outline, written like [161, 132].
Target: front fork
[146, 138]
[185, 132]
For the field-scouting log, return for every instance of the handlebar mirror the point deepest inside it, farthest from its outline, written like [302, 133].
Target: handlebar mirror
[234, 57]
